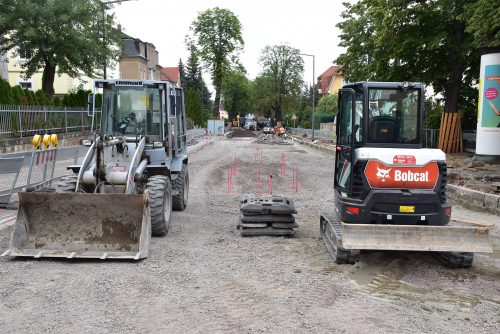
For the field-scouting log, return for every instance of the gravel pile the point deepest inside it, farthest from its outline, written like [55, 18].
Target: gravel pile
[272, 139]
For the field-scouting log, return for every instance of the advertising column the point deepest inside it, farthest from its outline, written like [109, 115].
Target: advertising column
[488, 116]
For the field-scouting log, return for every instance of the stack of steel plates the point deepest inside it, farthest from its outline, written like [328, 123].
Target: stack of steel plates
[267, 215]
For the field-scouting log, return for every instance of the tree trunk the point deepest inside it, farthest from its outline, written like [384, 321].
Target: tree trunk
[277, 113]
[450, 129]
[215, 112]
[49, 73]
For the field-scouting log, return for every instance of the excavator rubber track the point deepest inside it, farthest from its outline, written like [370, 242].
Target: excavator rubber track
[331, 233]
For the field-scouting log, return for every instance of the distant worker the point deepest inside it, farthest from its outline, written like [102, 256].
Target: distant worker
[282, 131]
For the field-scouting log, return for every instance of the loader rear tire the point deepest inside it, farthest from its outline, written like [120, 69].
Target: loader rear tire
[160, 203]
[67, 184]
[181, 185]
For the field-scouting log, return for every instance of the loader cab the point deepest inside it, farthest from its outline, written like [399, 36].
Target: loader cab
[132, 108]
[177, 121]
[377, 115]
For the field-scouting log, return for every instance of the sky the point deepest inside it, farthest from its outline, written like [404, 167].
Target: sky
[306, 25]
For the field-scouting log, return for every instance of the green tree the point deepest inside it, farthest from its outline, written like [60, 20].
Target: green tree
[18, 96]
[437, 42]
[328, 104]
[216, 35]
[283, 66]
[485, 31]
[6, 96]
[236, 94]
[62, 35]
[194, 106]
[182, 72]
[261, 97]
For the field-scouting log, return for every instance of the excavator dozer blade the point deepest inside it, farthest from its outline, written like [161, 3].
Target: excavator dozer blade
[69, 225]
[416, 238]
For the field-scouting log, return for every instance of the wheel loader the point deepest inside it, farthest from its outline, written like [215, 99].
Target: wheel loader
[134, 173]
[390, 193]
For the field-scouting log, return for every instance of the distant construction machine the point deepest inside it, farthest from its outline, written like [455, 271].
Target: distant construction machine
[134, 173]
[390, 193]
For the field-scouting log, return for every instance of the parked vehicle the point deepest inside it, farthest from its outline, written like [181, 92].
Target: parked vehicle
[390, 193]
[134, 173]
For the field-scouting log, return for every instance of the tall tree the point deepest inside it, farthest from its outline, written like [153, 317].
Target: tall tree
[194, 78]
[261, 97]
[70, 36]
[284, 67]
[196, 88]
[182, 73]
[416, 40]
[216, 34]
[236, 94]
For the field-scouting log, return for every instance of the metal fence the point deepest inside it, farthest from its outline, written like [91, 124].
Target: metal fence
[430, 137]
[25, 121]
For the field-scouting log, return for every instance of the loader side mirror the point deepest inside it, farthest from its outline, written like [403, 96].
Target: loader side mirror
[90, 104]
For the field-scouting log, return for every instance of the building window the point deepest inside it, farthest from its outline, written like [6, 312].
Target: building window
[24, 55]
[26, 85]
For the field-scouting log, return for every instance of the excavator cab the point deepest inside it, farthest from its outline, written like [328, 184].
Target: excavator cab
[390, 193]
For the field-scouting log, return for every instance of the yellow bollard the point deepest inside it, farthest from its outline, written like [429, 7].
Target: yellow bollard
[46, 140]
[37, 140]
[53, 139]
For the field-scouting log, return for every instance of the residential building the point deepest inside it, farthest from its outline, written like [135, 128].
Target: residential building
[62, 83]
[330, 81]
[171, 74]
[139, 60]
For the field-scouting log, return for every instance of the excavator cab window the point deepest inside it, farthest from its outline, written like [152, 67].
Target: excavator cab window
[393, 116]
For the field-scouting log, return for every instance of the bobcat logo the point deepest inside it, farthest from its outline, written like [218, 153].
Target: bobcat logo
[383, 174]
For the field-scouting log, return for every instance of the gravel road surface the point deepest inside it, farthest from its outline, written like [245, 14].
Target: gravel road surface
[204, 278]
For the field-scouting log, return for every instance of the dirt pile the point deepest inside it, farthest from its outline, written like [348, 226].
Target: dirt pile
[464, 171]
[241, 133]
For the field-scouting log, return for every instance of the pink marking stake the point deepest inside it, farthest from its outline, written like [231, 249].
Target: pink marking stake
[235, 162]
[258, 183]
[229, 180]
[283, 164]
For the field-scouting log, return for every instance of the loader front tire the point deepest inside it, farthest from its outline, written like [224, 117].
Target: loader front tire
[181, 185]
[160, 204]
[67, 184]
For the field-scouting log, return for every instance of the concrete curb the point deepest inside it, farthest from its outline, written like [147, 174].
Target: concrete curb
[473, 199]
[316, 146]
[468, 198]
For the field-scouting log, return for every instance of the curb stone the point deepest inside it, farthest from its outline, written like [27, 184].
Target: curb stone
[468, 198]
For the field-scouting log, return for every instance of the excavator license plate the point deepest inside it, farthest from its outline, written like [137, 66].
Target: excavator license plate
[406, 208]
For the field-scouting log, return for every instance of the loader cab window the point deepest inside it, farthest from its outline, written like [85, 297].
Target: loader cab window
[132, 112]
[393, 116]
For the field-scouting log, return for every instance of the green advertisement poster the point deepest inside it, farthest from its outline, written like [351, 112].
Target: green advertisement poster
[490, 98]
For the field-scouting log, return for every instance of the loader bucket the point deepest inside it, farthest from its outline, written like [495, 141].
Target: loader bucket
[416, 238]
[78, 225]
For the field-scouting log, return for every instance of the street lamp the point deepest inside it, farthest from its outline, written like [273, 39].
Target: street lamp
[314, 92]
